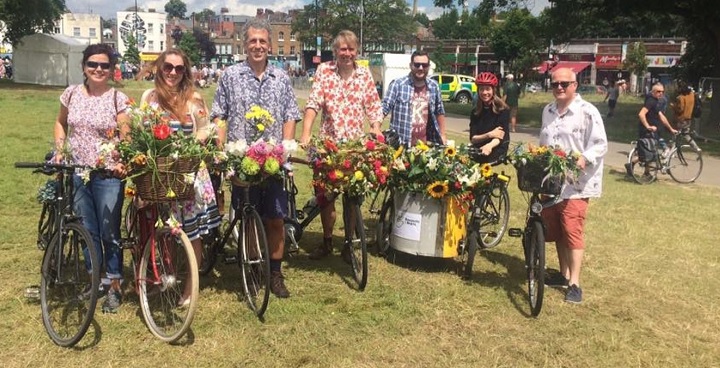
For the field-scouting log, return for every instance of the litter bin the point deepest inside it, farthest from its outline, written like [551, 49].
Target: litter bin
[427, 226]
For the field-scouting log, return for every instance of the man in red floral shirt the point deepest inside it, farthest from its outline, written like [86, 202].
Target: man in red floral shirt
[345, 94]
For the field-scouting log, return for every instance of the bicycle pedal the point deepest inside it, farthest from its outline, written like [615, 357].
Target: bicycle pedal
[230, 259]
[32, 292]
[515, 232]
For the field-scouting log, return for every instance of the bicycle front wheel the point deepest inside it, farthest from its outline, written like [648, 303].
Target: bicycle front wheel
[534, 243]
[168, 272]
[685, 164]
[69, 285]
[384, 226]
[254, 262]
[372, 207]
[494, 213]
[642, 172]
[355, 242]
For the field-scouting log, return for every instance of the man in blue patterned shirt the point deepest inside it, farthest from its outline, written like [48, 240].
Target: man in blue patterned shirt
[416, 104]
[257, 82]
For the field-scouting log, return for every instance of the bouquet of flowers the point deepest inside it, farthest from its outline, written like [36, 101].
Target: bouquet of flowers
[161, 158]
[253, 162]
[542, 168]
[355, 167]
[438, 171]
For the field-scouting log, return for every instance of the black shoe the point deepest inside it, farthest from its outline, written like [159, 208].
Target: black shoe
[277, 285]
[574, 294]
[629, 169]
[556, 280]
[346, 254]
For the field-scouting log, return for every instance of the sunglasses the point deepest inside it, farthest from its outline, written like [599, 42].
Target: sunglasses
[564, 85]
[168, 68]
[662, 91]
[421, 65]
[95, 64]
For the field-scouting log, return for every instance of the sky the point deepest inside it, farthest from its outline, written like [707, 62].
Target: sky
[108, 9]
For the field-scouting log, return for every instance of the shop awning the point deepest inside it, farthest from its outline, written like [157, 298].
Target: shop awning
[575, 66]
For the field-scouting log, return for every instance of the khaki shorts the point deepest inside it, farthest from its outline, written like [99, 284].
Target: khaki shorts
[565, 223]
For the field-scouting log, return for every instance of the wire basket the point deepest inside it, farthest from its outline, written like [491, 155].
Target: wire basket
[169, 176]
[532, 177]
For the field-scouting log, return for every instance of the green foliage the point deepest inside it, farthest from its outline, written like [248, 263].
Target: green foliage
[517, 40]
[422, 18]
[207, 48]
[442, 64]
[455, 25]
[635, 60]
[132, 54]
[175, 8]
[189, 45]
[384, 21]
[26, 17]
[204, 16]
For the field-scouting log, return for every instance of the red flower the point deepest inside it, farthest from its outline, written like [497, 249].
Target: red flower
[458, 185]
[330, 146]
[381, 138]
[161, 131]
[347, 164]
[332, 175]
[560, 153]
[370, 145]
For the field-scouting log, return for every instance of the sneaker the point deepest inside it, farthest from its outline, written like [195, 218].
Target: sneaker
[277, 285]
[556, 280]
[346, 254]
[574, 294]
[629, 169]
[112, 302]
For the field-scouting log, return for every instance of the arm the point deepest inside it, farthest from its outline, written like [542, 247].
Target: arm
[315, 102]
[643, 119]
[440, 114]
[220, 110]
[60, 132]
[307, 122]
[596, 144]
[373, 108]
[665, 122]
[441, 126]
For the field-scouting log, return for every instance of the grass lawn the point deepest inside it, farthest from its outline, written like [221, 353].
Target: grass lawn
[650, 297]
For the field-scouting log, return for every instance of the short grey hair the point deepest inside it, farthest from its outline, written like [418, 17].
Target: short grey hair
[257, 23]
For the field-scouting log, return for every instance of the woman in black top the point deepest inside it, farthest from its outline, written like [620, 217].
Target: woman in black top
[489, 121]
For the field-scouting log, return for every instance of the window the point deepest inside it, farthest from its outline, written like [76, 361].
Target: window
[281, 36]
[292, 50]
[92, 32]
[150, 28]
[281, 50]
[76, 31]
[162, 46]
[162, 28]
[151, 45]
[292, 36]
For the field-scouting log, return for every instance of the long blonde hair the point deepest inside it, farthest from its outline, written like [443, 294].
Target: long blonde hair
[174, 101]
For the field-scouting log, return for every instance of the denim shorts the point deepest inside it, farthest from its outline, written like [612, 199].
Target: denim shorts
[269, 198]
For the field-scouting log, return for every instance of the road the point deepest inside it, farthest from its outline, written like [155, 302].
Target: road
[615, 158]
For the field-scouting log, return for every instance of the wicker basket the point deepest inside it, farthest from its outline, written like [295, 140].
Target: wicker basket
[154, 185]
[533, 178]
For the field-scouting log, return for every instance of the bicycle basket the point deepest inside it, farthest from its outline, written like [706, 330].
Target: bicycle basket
[171, 180]
[533, 178]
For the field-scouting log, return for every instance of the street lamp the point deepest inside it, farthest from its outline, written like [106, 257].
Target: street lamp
[362, 15]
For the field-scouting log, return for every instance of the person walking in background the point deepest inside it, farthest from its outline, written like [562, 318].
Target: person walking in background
[611, 96]
[255, 82]
[88, 112]
[489, 121]
[684, 105]
[574, 125]
[416, 105]
[345, 94]
[186, 110]
[511, 96]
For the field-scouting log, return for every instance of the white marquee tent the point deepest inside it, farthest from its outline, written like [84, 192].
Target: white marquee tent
[51, 60]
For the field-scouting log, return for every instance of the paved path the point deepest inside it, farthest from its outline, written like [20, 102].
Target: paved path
[615, 158]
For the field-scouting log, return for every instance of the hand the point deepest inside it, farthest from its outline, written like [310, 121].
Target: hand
[58, 158]
[376, 131]
[120, 171]
[486, 150]
[304, 140]
[581, 162]
[674, 131]
[498, 133]
[652, 128]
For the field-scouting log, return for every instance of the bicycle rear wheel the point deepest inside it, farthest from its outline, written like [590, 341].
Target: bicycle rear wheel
[254, 258]
[534, 243]
[69, 285]
[642, 172]
[166, 268]
[355, 240]
[494, 213]
[685, 164]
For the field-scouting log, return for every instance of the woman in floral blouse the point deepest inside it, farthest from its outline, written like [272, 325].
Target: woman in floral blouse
[91, 113]
[345, 93]
[174, 93]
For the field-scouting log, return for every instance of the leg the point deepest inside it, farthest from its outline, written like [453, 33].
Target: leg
[108, 197]
[328, 216]
[84, 207]
[513, 118]
[573, 222]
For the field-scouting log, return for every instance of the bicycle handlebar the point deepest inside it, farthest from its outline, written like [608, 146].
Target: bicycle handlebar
[48, 167]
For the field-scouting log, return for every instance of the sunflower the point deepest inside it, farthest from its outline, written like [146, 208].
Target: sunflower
[437, 189]
[450, 151]
[398, 152]
[486, 170]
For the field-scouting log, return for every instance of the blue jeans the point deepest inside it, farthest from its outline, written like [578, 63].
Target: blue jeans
[99, 203]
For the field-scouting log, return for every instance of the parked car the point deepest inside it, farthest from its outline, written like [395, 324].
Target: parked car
[533, 87]
[456, 87]
[589, 89]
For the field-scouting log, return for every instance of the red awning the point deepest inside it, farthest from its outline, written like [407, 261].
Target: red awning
[575, 66]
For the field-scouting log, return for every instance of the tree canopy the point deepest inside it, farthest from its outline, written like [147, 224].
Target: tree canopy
[517, 40]
[26, 17]
[175, 8]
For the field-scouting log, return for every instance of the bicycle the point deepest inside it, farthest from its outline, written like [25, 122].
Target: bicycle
[70, 272]
[683, 160]
[542, 193]
[163, 263]
[487, 220]
[253, 255]
[298, 220]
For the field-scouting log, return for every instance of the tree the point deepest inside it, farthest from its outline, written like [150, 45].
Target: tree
[189, 45]
[422, 18]
[132, 54]
[517, 40]
[175, 8]
[204, 16]
[384, 21]
[206, 47]
[636, 62]
[26, 17]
